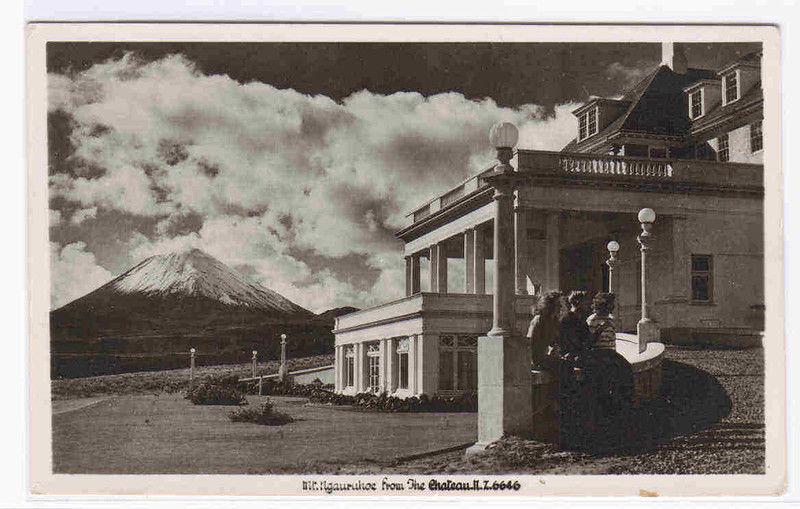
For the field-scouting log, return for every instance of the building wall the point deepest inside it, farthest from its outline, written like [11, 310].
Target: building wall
[735, 242]
[739, 145]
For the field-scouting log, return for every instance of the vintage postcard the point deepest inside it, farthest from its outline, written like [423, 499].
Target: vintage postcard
[405, 260]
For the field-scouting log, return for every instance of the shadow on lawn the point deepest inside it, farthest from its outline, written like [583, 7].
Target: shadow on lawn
[691, 400]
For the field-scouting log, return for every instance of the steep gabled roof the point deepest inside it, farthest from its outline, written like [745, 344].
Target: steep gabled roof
[657, 106]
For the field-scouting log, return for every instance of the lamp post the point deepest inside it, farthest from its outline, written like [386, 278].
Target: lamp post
[612, 247]
[504, 372]
[255, 355]
[191, 367]
[646, 329]
[282, 369]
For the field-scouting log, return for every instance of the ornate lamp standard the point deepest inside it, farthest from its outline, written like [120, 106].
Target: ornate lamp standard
[504, 371]
[646, 328]
[282, 369]
[612, 247]
[255, 357]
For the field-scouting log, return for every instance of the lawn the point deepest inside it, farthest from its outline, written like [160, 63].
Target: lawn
[710, 419]
[163, 433]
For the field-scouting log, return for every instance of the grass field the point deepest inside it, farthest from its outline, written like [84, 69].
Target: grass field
[166, 434]
[710, 420]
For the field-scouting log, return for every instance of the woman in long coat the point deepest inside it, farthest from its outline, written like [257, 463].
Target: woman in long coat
[608, 378]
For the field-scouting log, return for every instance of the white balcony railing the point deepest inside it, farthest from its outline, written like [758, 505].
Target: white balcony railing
[593, 164]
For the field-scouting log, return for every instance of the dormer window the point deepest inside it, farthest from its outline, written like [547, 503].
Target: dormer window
[696, 104]
[587, 124]
[730, 86]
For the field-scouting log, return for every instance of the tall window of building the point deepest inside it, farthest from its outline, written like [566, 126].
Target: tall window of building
[373, 367]
[402, 364]
[702, 278]
[756, 137]
[696, 104]
[458, 362]
[587, 124]
[723, 150]
[582, 127]
[730, 85]
[350, 367]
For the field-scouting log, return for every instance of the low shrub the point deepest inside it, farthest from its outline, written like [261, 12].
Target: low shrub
[265, 415]
[466, 402]
[276, 387]
[220, 390]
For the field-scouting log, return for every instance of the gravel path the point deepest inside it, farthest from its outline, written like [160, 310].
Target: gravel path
[710, 420]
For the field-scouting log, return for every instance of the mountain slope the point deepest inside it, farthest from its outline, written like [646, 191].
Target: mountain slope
[191, 275]
[149, 317]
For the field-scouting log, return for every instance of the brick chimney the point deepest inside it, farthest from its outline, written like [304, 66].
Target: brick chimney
[673, 56]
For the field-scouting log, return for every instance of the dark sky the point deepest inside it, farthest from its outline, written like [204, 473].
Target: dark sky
[509, 73]
[308, 187]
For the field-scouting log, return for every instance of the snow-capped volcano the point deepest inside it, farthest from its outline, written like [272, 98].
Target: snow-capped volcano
[185, 289]
[194, 273]
[149, 317]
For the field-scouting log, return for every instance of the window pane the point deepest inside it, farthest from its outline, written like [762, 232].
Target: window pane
[722, 148]
[374, 373]
[467, 371]
[592, 122]
[350, 372]
[756, 137]
[696, 104]
[701, 263]
[446, 370]
[582, 120]
[700, 288]
[402, 369]
[731, 88]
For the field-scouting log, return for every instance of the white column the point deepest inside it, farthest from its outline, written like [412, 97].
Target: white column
[390, 366]
[412, 274]
[469, 261]
[521, 250]
[415, 282]
[412, 364]
[361, 378]
[408, 275]
[504, 370]
[337, 369]
[433, 258]
[479, 264]
[441, 268]
[552, 251]
[382, 365]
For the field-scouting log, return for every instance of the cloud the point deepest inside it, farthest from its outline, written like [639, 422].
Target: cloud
[55, 217]
[73, 273]
[82, 215]
[273, 172]
[628, 76]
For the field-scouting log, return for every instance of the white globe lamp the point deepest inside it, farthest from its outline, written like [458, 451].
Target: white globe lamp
[504, 135]
[647, 216]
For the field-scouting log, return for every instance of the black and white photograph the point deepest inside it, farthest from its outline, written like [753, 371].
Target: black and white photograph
[421, 266]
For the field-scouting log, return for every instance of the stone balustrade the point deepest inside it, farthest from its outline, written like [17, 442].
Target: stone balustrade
[614, 165]
[686, 173]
